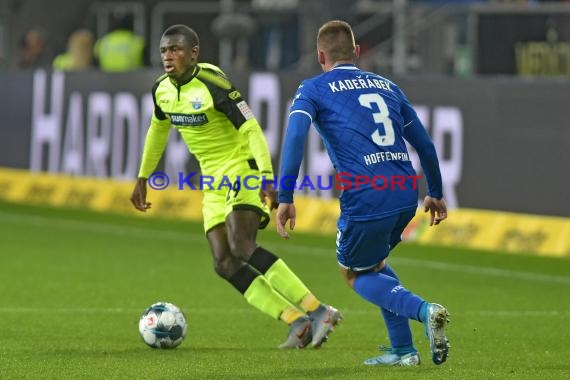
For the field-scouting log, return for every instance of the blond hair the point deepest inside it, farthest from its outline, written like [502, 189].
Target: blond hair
[336, 39]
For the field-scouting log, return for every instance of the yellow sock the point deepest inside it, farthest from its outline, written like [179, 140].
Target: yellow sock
[261, 295]
[309, 303]
[290, 315]
[282, 279]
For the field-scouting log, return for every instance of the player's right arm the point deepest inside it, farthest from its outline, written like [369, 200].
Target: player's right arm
[155, 143]
[303, 111]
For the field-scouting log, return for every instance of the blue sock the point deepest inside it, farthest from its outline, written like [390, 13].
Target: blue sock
[388, 271]
[387, 293]
[403, 350]
[398, 326]
[399, 332]
[422, 314]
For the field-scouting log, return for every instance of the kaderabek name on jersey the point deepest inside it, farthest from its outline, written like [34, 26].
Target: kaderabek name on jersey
[357, 84]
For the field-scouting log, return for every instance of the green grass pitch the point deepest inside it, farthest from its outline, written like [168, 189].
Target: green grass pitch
[74, 283]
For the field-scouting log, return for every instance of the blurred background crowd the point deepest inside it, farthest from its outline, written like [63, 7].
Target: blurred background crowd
[434, 37]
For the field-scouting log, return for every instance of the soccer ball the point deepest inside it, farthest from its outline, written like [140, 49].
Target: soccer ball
[163, 325]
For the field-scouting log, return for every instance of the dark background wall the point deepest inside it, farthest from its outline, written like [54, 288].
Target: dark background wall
[503, 143]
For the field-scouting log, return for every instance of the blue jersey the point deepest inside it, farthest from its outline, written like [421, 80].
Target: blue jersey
[362, 119]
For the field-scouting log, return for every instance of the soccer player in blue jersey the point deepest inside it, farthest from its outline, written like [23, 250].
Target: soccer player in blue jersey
[363, 120]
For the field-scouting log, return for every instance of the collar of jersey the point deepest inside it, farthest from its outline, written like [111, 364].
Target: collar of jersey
[196, 69]
[345, 66]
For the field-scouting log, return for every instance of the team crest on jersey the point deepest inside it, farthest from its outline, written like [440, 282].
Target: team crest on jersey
[196, 103]
[234, 95]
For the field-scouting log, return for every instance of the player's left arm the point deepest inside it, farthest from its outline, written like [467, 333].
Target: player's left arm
[303, 110]
[229, 100]
[417, 136]
[258, 144]
[260, 151]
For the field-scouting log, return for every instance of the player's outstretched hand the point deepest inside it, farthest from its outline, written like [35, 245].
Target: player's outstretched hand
[437, 209]
[138, 197]
[285, 212]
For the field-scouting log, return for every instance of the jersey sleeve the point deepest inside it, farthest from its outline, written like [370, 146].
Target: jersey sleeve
[156, 139]
[258, 146]
[417, 136]
[243, 119]
[303, 111]
[229, 101]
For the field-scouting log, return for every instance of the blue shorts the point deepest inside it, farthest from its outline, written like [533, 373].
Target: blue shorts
[362, 245]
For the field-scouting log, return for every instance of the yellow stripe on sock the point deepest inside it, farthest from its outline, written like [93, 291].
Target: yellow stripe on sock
[309, 303]
[290, 315]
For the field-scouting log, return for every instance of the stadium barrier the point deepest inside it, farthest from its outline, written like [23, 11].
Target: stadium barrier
[469, 228]
[502, 142]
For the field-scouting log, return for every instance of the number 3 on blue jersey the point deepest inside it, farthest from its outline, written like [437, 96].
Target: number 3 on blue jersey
[382, 117]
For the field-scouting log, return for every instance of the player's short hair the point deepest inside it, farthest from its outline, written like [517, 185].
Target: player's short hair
[336, 39]
[189, 34]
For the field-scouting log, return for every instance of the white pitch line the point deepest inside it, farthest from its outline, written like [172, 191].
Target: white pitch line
[81, 225]
[522, 313]
[69, 310]
[473, 269]
[446, 267]
[251, 310]
[144, 233]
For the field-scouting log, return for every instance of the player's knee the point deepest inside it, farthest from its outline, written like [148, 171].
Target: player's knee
[380, 266]
[348, 276]
[241, 246]
[225, 267]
